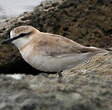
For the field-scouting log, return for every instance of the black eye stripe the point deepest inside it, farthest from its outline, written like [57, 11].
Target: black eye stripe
[14, 38]
[23, 34]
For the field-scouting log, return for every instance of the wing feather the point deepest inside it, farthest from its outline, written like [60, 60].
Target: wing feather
[54, 45]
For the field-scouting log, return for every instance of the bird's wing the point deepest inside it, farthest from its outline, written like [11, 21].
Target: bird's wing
[55, 45]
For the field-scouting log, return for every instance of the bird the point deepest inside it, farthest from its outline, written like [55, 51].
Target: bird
[49, 52]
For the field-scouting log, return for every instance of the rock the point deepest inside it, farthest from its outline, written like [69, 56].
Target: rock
[87, 86]
[84, 21]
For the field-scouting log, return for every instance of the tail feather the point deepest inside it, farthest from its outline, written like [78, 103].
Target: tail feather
[94, 49]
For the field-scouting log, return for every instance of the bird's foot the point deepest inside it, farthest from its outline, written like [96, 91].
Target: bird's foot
[60, 76]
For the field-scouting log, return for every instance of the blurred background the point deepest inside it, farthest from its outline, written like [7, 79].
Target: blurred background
[9, 8]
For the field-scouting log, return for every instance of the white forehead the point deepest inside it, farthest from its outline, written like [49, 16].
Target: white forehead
[12, 34]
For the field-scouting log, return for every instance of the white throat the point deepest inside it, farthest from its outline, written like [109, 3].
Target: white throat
[21, 42]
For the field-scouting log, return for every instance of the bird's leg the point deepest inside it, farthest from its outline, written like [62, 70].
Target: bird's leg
[59, 73]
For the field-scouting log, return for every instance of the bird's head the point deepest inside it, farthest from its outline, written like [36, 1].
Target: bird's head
[21, 35]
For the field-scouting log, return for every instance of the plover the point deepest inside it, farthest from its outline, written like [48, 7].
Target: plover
[49, 52]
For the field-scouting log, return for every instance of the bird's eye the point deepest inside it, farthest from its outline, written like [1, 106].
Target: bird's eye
[24, 34]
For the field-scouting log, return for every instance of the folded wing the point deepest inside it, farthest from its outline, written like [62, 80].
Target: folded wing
[56, 45]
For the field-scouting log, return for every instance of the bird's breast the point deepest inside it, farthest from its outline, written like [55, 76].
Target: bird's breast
[37, 60]
[27, 52]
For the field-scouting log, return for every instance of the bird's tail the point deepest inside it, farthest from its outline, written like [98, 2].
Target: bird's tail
[95, 49]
